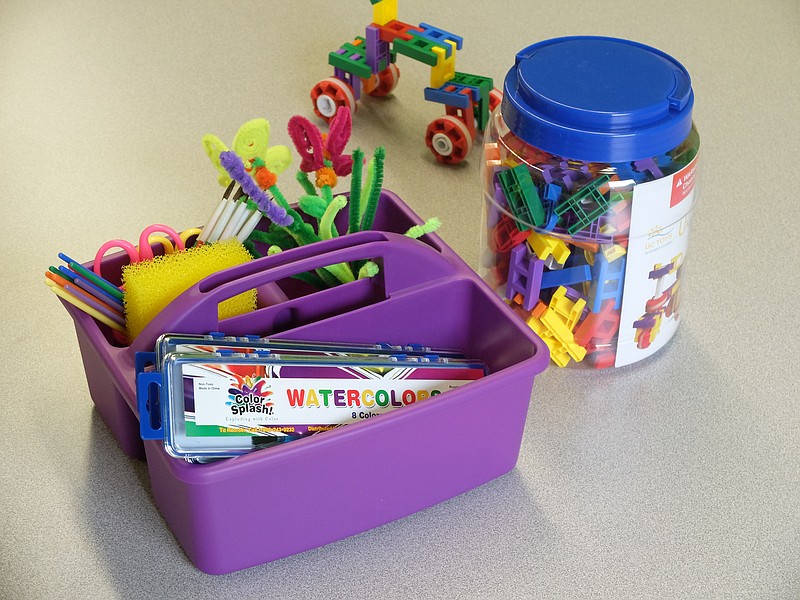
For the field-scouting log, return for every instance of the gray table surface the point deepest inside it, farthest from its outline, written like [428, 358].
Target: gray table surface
[673, 478]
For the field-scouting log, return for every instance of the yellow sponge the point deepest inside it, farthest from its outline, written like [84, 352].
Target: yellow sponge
[150, 285]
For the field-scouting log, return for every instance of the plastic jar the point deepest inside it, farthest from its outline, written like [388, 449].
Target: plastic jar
[589, 171]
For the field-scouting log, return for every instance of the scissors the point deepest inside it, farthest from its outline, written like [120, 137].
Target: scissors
[144, 251]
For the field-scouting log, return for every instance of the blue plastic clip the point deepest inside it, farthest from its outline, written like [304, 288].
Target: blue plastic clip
[148, 401]
[451, 97]
[142, 360]
[568, 276]
[440, 35]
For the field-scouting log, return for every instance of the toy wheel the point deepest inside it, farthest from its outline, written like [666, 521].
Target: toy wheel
[495, 98]
[449, 140]
[329, 94]
[383, 83]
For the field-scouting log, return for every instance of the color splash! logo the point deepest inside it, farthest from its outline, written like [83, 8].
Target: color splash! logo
[250, 397]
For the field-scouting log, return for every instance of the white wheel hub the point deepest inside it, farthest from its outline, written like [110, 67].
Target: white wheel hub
[326, 106]
[442, 144]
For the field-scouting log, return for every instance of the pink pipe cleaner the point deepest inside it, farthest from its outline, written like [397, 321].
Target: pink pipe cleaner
[309, 143]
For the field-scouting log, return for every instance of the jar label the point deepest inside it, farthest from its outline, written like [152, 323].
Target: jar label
[659, 236]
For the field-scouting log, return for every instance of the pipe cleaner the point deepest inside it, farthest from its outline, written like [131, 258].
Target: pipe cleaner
[254, 168]
[234, 166]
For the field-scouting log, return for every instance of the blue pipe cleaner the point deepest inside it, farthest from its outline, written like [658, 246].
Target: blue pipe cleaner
[234, 166]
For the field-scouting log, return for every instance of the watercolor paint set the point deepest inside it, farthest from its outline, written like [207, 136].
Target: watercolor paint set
[225, 403]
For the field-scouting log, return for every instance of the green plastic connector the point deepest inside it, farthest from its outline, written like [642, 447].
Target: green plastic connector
[352, 59]
[588, 195]
[418, 48]
[521, 194]
[484, 85]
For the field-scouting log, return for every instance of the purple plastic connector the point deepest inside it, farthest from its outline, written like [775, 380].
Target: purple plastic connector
[590, 234]
[378, 52]
[648, 165]
[524, 276]
[350, 79]
[566, 178]
[575, 295]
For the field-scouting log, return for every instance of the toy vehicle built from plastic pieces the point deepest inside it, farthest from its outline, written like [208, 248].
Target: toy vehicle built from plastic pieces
[367, 65]
[661, 305]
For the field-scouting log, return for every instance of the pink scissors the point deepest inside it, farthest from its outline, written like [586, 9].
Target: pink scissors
[144, 251]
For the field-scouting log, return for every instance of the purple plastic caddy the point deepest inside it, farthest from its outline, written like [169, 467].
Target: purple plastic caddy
[372, 472]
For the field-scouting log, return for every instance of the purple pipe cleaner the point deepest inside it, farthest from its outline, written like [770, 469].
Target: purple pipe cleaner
[234, 166]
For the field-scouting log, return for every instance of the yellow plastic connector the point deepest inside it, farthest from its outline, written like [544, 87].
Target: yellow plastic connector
[558, 338]
[569, 311]
[555, 324]
[564, 336]
[545, 246]
[613, 251]
[445, 68]
[384, 11]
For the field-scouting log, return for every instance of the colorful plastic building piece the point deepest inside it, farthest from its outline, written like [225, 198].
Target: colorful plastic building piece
[378, 53]
[613, 251]
[383, 11]
[395, 29]
[524, 277]
[549, 249]
[440, 35]
[570, 276]
[593, 195]
[491, 155]
[419, 48]
[570, 310]
[522, 196]
[369, 63]
[598, 328]
[445, 68]
[506, 235]
[554, 324]
[608, 279]
[351, 58]
[592, 235]
[451, 137]
[649, 166]
[330, 94]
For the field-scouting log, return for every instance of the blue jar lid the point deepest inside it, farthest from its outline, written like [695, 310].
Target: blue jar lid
[598, 99]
